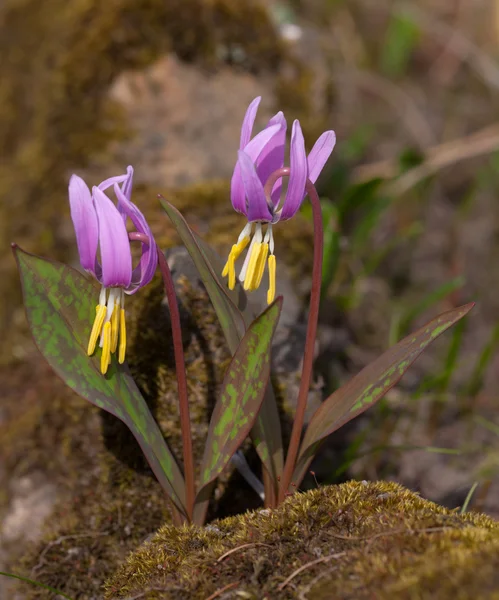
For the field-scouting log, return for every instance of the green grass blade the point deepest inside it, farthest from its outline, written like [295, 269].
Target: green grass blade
[476, 380]
[469, 496]
[370, 385]
[37, 583]
[435, 296]
[60, 307]
[400, 41]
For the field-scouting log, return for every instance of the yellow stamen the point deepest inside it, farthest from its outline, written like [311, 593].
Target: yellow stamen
[114, 328]
[121, 356]
[272, 269]
[234, 254]
[250, 272]
[232, 271]
[96, 329]
[260, 267]
[106, 349]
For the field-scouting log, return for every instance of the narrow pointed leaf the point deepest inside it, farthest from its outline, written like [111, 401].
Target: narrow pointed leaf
[60, 306]
[241, 396]
[369, 386]
[235, 315]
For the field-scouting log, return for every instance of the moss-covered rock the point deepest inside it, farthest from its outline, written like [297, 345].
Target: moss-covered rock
[355, 540]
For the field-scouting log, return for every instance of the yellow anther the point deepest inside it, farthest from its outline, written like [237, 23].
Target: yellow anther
[96, 329]
[272, 269]
[232, 272]
[250, 272]
[260, 267]
[121, 355]
[114, 328]
[106, 348]
[234, 254]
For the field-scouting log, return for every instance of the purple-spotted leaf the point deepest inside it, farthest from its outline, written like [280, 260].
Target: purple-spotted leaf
[235, 314]
[241, 396]
[369, 386]
[60, 306]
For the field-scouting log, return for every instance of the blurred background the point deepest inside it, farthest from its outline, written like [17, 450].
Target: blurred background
[410, 199]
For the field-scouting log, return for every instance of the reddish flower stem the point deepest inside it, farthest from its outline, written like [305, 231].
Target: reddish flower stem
[185, 422]
[313, 316]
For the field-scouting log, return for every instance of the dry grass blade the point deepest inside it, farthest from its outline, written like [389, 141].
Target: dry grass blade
[238, 548]
[219, 592]
[308, 566]
[482, 142]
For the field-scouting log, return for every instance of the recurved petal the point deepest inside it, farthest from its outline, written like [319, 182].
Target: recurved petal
[144, 271]
[107, 183]
[126, 188]
[116, 258]
[298, 174]
[248, 122]
[258, 209]
[319, 154]
[271, 157]
[84, 221]
[127, 184]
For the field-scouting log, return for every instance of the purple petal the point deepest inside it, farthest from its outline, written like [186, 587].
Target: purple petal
[84, 221]
[127, 185]
[258, 209]
[253, 149]
[298, 174]
[127, 191]
[248, 122]
[258, 143]
[116, 257]
[237, 195]
[144, 271]
[271, 157]
[107, 183]
[319, 154]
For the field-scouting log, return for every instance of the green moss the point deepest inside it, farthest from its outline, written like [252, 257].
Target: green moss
[375, 540]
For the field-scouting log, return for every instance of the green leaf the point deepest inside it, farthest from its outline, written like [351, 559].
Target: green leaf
[60, 306]
[241, 396]
[235, 315]
[369, 386]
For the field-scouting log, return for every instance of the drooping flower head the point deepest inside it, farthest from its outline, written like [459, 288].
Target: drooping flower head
[100, 228]
[258, 158]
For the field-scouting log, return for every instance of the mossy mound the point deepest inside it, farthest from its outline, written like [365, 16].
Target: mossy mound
[355, 540]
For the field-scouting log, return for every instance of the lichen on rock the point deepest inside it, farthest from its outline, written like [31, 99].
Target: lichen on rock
[354, 540]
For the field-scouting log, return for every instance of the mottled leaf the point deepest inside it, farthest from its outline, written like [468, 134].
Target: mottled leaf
[241, 396]
[60, 306]
[369, 386]
[235, 314]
